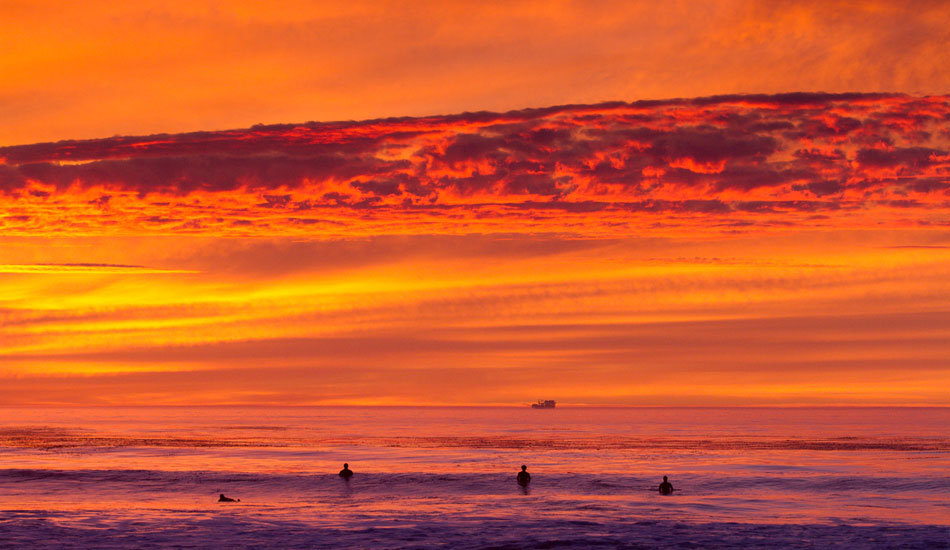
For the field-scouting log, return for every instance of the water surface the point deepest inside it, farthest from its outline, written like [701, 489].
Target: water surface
[428, 477]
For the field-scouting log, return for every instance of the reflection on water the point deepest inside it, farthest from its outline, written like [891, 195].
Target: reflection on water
[752, 466]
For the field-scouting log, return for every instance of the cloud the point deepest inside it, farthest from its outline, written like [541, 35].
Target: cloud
[920, 246]
[607, 168]
[80, 268]
[794, 317]
[622, 363]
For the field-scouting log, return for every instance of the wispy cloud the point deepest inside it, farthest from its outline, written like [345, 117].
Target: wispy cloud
[81, 268]
[921, 246]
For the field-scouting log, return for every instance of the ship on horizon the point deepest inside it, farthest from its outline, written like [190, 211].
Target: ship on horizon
[549, 404]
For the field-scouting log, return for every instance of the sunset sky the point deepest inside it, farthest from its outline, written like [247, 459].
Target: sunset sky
[656, 203]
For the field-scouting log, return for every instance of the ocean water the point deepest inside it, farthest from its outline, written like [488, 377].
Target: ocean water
[444, 477]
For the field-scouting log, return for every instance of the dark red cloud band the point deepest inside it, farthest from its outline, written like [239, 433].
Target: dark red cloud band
[746, 160]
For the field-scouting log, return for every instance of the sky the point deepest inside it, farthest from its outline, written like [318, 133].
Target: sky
[657, 203]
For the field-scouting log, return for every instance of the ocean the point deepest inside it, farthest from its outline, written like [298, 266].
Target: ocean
[432, 477]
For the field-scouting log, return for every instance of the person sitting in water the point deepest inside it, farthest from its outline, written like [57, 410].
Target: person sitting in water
[346, 472]
[666, 488]
[223, 498]
[523, 476]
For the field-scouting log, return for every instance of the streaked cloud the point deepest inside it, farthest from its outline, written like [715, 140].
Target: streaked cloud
[807, 317]
[847, 361]
[83, 268]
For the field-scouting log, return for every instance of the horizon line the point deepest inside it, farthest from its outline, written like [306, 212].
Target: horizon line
[576, 406]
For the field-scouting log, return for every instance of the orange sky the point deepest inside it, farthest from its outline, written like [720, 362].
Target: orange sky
[103, 67]
[769, 246]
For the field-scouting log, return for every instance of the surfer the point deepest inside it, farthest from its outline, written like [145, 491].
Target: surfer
[346, 472]
[523, 476]
[223, 498]
[666, 488]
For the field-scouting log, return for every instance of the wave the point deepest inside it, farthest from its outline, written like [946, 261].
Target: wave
[49, 438]
[654, 443]
[438, 484]
[112, 530]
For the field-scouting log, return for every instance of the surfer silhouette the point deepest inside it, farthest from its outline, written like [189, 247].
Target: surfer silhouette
[666, 488]
[346, 472]
[223, 498]
[523, 476]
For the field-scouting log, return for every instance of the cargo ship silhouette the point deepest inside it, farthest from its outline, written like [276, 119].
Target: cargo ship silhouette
[549, 404]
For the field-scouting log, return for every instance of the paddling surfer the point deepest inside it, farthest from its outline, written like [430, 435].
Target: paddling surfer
[666, 488]
[346, 472]
[223, 498]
